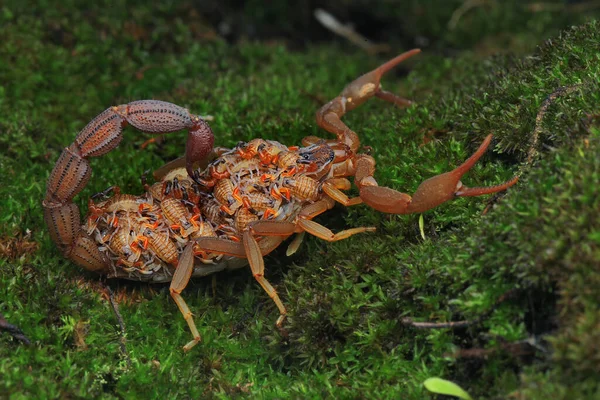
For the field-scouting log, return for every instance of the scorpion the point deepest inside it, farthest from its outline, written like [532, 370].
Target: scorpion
[216, 209]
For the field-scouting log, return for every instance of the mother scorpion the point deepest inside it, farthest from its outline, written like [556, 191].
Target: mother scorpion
[202, 217]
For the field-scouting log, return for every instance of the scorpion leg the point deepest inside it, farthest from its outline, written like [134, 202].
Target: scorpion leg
[272, 233]
[333, 188]
[306, 224]
[295, 244]
[353, 95]
[282, 228]
[236, 249]
[181, 278]
[325, 233]
[430, 193]
[254, 252]
[257, 265]
[221, 246]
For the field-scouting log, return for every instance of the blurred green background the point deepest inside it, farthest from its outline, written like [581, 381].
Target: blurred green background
[527, 71]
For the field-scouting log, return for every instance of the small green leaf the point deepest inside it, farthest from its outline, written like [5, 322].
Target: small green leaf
[442, 386]
[422, 226]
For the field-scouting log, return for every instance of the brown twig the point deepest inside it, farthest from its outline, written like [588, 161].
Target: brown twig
[516, 349]
[535, 138]
[533, 147]
[13, 330]
[331, 23]
[461, 324]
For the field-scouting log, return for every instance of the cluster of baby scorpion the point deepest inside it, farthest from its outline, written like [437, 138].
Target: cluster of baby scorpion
[144, 234]
[258, 180]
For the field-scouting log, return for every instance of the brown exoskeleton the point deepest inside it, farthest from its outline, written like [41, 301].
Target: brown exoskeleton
[244, 203]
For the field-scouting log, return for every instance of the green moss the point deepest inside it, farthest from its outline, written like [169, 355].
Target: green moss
[343, 337]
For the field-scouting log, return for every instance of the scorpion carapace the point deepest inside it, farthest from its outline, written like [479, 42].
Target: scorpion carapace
[235, 209]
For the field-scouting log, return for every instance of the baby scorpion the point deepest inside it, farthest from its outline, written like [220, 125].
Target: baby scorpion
[238, 208]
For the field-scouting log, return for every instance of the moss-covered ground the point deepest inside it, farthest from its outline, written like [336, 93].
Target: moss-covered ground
[537, 247]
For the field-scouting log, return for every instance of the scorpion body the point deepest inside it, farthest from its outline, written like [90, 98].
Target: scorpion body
[198, 220]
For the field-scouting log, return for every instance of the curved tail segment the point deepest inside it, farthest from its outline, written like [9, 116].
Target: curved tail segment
[72, 170]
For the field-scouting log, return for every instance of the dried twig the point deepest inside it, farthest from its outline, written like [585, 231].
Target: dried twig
[516, 349]
[533, 147]
[13, 330]
[535, 137]
[460, 324]
[331, 23]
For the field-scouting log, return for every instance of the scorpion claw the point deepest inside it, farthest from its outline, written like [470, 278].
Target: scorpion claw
[385, 199]
[369, 85]
[431, 192]
[354, 94]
